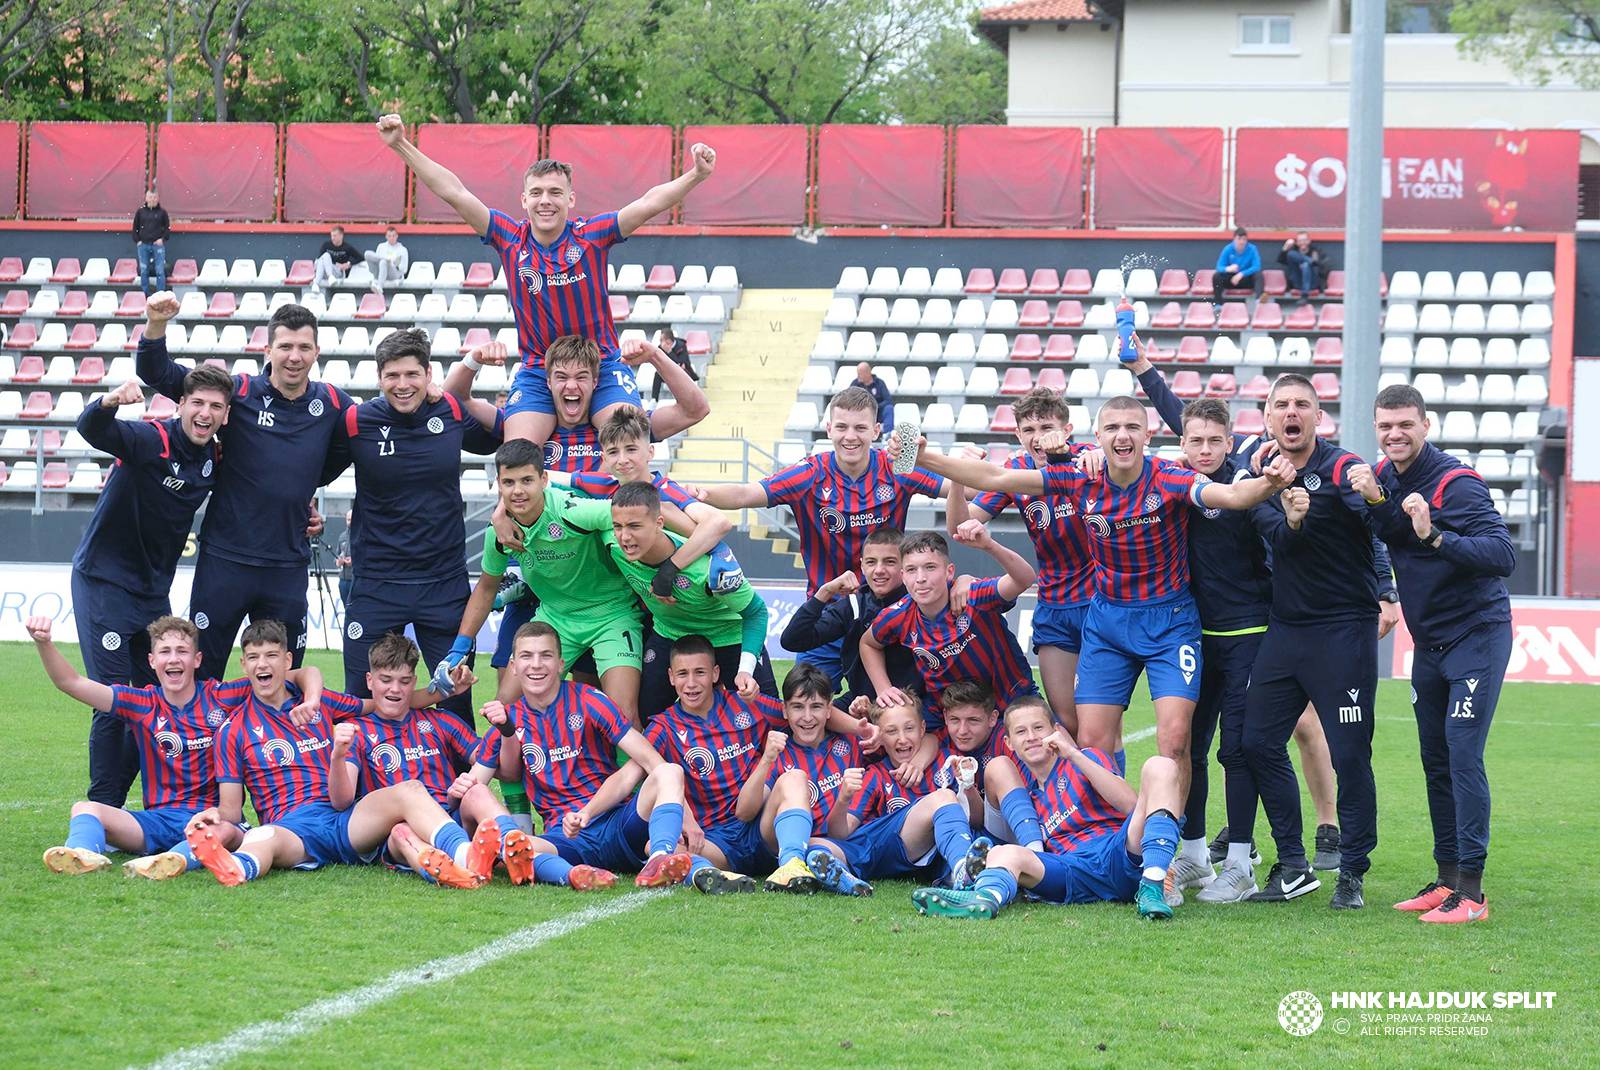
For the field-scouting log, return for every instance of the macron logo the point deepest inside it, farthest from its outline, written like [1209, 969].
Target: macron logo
[1472, 686]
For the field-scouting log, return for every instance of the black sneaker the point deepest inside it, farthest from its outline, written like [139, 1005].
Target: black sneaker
[1347, 892]
[709, 880]
[1284, 884]
[1327, 856]
[1219, 849]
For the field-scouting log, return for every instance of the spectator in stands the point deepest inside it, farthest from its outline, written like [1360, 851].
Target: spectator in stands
[341, 557]
[334, 260]
[880, 393]
[1304, 264]
[1238, 266]
[677, 351]
[389, 261]
[151, 228]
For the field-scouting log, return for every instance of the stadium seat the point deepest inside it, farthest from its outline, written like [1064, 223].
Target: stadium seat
[15, 304]
[113, 336]
[494, 309]
[1525, 425]
[402, 308]
[75, 303]
[1331, 316]
[1536, 319]
[1400, 319]
[1017, 381]
[56, 476]
[29, 370]
[1235, 316]
[213, 272]
[1533, 352]
[1108, 282]
[1083, 383]
[1249, 422]
[342, 306]
[1174, 283]
[1199, 316]
[646, 308]
[1186, 384]
[253, 306]
[1438, 286]
[1300, 318]
[984, 382]
[1117, 381]
[994, 347]
[67, 270]
[52, 337]
[1052, 379]
[45, 303]
[1466, 391]
[947, 282]
[937, 314]
[973, 419]
[1328, 351]
[841, 312]
[1405, 286]
[1470, 286]
[1268, 316]
[1044, 281]
[1433, 319]
[301, 273]
[1467, 319]
[871, 313]
[463, 308]
[948, 381]
[1274, 283]
[102, 306]
[365, 375]
[1459, 426]
[885, 281]
[60, 371]
[938, 418]
[1539, 286]
[83, 336]
[619, 307]
[372, 306]
[1256, 389]
[905, 313]
[1004, 421]
[1060, 347]
[1431, 353]
[479, 276]
[1141, 283]
[1201, 285]
[1158, 353]
[241, 273]
[475, 337]
[271, 273]
[1093, 347]
[258, 340]
[1068, 314]
[979, 281]
[38, 271]
[1193, 349]
[1169, 317]
[914, 282]
[1034, 314]
[894, 345]
[203, 339]
[1002, 315]
[661, 277]
[1503, 318]
[223, 305]
[1221, 385]
[927, 345]
[863, 345]
[11, 268]
[1430, 385]
[1076, 281]
[1505, 286]
[829, 345]
[1532, 390]
[969, 315]
[1326, 427]
[1467, 352]
[38, 406]
[86, 478]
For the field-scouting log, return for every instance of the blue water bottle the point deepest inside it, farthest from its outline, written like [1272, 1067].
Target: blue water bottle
[1125, 350]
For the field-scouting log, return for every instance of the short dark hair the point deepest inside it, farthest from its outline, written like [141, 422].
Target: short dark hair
[519, 453]
[807, 681]
[1028, 702]
[1294, 379]
[884, 536]
[208, 377]
[391, 227]
[636, 495]
[393, 651]
[1207, 410]
[170, 623]
[336, 229]
[925, 542]
[966, 693]
[536, 629]
[1122, 402]
[573, 349]
[1041, 403]
[259, 632]
[290, 317]
[689, 645]
[855, 399]
[1401, 396]
[1240, 232]
[408, 342]
[627, 424]
[540, 168]
[667, 332]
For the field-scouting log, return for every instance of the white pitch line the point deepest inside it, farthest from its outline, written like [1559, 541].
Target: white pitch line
[1134, 737]
[32, 804]
[313, 1016]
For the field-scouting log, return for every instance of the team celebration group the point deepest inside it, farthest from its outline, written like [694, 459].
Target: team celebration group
[637, 713]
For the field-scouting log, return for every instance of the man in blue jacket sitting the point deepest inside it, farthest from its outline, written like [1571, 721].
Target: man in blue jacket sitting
[1238, 266]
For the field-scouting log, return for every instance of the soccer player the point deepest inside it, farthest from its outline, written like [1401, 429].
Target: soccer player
[734, 621]
[123, 569]
[406, 540]
[555, 269]
[1451, 554]
[561, 739]
[1092, 818]
[172, 721]
[842, 609]
[255, 540]
[1061, 545]
[1143, 616]
[975, 644]
[280, 747]
[838, 498]
[973, 729]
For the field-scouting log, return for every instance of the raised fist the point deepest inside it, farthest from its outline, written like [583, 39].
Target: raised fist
[392, 129]
[704, 157]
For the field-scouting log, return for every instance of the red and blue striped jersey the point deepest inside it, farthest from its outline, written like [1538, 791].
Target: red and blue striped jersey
[430, 745]
[835, 513]
[1060, 539]
[568, 748]
[977, 645]
[557, 289]
[716, 751]
[1138, 534]
[995, 746]
[283, 766]
[824, 766]
[175, 742]
[573, 449]
[600, 485]
[882, 794]
[1071, 812]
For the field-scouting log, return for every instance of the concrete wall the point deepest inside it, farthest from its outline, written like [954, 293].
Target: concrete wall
[1062, 75]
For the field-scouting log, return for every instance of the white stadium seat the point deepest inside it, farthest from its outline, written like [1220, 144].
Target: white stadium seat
[984, 382]
[818, 379]
[1466, 353]
[960, 347]
[1532, 390]
[647, 308]
[1405, 286]
[829, 345]
[1002, 314]
[948, 380]
[969, 315]
[494, 308]
[916, 379]
[894, 345]
[96, 272]
[1472, 286]
[863, 345]
[1464, 392]
[841, 313]
[1503, 319]
[994, 347]
[1108, 282]
[1493, 464]
[1432, 353]
[1533, 353]
[1458, 426]
[948, 282]
[939, 418]
[852, 281]
[915, 281]
[1083, 383]
[1093, 347]
[1539, 286]
[1400, 319]
[1430, 385]
[927, 345]
[973, 419]
[1505, 286]
[678, 308]
[1496, 426]
[1438, 286]
[213, 272]
[450, 275]
[1433, 319]
[1467, 319]
[1525, 426]
[693, 279]
[1396, 352]
[905, 313]
[271, 273]
[1536, 319]
[1263, 350]
[1141, 283]
[1118, 381]
[446, 342]
[937, 314]
[803, 416]
[884, 281]
[242, 273]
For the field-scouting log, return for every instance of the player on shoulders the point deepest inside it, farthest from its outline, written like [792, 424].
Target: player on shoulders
[555, 270]
[1092, 819]
[173, 722]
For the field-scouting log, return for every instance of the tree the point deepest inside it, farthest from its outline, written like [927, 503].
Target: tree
[31, 29]
[219, 28]
[956, 78]
[1539, 40]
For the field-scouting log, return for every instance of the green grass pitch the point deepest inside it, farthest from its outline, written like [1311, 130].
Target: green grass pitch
[103, 971]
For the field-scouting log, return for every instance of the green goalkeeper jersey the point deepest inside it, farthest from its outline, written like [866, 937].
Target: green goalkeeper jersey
[694, 610]
[565, 561]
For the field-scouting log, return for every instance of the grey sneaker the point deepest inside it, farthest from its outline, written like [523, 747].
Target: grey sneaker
[1232, 885]
[1327, 856]
[1187, 873]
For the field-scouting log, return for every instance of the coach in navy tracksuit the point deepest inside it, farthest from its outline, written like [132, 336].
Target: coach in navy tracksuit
[407, 541]
[1451, 553]
[255, 540]
[122, 572]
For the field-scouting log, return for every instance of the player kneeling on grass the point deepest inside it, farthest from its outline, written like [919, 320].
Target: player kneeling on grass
[1090, 816]
[280, 747]
[561, 740]
[173, 722]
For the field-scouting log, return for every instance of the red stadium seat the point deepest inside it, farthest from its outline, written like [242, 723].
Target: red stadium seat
[1169, 317]
[1017, 381]
[132, 304]
[1060, 347]
[1326, 384]
[90, 371]
[183, 273]
[1027, 347]
[1235, 316]
[160, 407]
[1328, 351]
[1193, 349]
[10, 268]
[138, 332]
[1334, 287]
[38, 407]
[1044, 281]
[48, 440]
[1221, 385]
[1331, 318]
[125, 271]
[1302, 318]
[1198, 317]
[1268, 317]
[475, 337]
[16, 303]
[1052, 379]
[55, 476]
[67, 270]
[216, 362]
[1274, 282]
[1034, 314]
[224, 304]
[1156, 353]
[1202, 282]
[1069, 314]
[697, 342]
[1186, 384]
[301, 273]
[1249, 422]
[1077, 281]
[479, 276]
[1174, 283]
[619, 307]
[1012, 281]
[1005, 420]
[1326, 428]
[83, 336]
[4, 474]
[30, 369]
[258, 340]
[662, 277]
[1256, 389]
[980, 281]
[22, 336]
[372, 307]
[1154, 422]
[76, 303]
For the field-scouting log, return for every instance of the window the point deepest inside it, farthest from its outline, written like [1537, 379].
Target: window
[1266, 33]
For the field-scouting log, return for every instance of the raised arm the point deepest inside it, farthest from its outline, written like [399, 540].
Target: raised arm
[1020, 575]
[734, 495]
[439, 179]
[979, 475]
[152, 362]
[342, 772]
[668, 195]
[753, 795]
[1246, 493]
[67, 680]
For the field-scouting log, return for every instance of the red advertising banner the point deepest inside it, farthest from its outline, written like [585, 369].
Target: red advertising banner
[86, 170]
[612, 165]
[1018, 176]
[760, 177]
[1432, 179]
[488, 158]
[1553, 641]
[218, 171]
[1149, 177]
[880, 175]
[341, 173]
[10, 155]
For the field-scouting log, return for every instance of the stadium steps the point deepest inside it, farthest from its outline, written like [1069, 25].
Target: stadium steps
[752, 384]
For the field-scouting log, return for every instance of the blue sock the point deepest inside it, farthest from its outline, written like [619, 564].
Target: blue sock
[85, 830]
[452, 839]
[1120, 756]
[550, 869]
[792, 829]
[248, 864]
[507, 825]
[1159, 843]
[1017, 809]
[951, 833]
[696, 864]
[182, 848]
[666, 826]
[996, 885]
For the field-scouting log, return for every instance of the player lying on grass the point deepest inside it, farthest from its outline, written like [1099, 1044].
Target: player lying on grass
[286, 768]
[561, 740]
[1091, 816]
[173, 722]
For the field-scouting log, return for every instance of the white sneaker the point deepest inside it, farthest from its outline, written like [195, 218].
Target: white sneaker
[1232, 885]
[1187, 873]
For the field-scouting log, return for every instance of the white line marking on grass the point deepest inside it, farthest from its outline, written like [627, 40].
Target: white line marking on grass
[1519, 724]
[1134, 737]
[313, 1016]
[32, 804]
